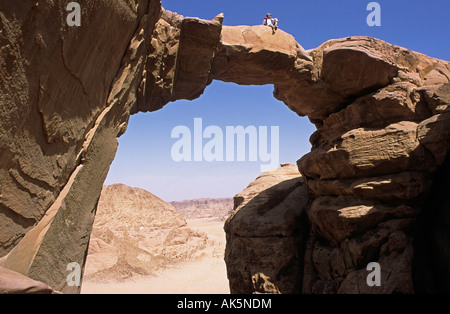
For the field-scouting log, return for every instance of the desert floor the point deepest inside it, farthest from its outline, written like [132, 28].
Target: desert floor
[205, 276]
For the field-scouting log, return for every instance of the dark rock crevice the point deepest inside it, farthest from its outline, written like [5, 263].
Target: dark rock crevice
[431, 263]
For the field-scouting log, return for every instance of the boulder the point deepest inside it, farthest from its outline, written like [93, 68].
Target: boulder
[265, 233]
[12, 282]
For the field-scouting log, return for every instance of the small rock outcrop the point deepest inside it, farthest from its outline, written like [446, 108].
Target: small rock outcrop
[12, 282]
[381, 112]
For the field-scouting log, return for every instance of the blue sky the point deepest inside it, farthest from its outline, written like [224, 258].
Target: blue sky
[144, 156]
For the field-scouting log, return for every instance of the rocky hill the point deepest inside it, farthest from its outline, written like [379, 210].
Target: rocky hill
[205, 208]
[136, 232]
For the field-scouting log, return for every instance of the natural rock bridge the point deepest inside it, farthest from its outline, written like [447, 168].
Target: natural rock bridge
[375, 192]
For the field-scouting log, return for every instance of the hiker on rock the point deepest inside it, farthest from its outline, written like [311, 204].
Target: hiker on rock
[272, 22]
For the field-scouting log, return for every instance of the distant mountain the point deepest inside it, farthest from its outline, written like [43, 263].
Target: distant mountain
[135, 232]
[211, 208]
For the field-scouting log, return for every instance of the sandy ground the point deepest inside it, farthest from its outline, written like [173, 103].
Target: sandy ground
[206, 276]
[214, 229]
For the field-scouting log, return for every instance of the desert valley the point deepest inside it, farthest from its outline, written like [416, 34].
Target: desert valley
[141, 244]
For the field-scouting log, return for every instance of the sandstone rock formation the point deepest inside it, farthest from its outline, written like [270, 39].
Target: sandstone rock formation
[371, 167]
[136, 233]
[381, 111]
[205, 208]
[379, 139]
[266, 234]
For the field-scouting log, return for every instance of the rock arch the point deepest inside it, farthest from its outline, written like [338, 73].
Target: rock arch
[381, 113]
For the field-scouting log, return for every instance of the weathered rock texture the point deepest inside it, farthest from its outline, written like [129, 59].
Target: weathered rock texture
[66, 96]
[383, 129]
[372, 162]
[66, 93]
[432, 237]
[266, 234]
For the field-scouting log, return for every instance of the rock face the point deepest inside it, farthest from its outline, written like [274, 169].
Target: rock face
[135, 232]
[381, 112]
[380, 138]
[265, 234]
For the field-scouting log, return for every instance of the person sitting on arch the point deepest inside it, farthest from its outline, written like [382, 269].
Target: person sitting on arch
[272, 22]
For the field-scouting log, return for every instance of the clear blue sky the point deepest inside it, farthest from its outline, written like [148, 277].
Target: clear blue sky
[144, 156]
